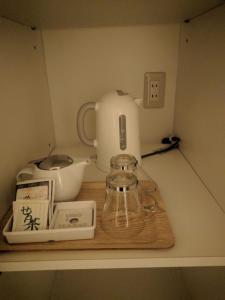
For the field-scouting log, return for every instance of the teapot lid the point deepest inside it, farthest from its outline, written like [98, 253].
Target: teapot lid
[55, 162]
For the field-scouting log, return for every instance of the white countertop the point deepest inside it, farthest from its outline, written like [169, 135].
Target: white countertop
[198, 224]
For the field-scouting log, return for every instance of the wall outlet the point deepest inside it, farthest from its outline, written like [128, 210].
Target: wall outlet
[154, 89]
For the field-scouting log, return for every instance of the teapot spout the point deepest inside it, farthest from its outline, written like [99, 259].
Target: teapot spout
[84, 162]
[77, 170]
[81, 165]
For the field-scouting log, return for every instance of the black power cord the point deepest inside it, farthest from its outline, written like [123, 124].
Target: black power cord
[173, 143]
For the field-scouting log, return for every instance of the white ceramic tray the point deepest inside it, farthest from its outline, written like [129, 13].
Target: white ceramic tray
[76, 233]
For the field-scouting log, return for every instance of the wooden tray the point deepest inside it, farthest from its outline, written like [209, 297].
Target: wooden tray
[157, 233]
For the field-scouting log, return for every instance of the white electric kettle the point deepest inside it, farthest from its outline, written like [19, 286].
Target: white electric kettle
[67, 173]
[117, 127]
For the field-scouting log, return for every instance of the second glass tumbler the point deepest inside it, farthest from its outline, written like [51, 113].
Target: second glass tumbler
[123, 214]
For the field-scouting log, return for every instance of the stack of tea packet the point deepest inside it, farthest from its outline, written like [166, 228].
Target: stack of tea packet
[33, 207]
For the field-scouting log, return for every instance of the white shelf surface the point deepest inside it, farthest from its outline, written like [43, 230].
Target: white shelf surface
[198, 224]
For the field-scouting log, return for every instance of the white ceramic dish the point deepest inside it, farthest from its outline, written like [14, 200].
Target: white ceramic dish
[77, 233]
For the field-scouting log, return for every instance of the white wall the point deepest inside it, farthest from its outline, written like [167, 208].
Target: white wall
[83, 64]
[26, 126]
[200, 104]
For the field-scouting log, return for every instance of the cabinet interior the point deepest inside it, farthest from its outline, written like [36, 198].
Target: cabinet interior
[54, 57]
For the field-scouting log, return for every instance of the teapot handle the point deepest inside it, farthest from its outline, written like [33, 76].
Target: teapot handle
[25, 173]
[80, 123]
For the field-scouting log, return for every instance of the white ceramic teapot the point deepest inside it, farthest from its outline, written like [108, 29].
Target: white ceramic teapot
[67, 173]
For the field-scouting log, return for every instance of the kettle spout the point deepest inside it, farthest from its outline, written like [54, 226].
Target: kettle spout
[138, 101]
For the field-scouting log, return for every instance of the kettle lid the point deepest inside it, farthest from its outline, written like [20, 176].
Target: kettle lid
[55, 162]
[121, 93]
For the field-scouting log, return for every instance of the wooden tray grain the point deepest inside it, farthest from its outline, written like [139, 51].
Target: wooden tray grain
[157, 233]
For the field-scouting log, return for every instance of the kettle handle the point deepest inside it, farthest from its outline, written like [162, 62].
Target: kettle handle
[80, 123]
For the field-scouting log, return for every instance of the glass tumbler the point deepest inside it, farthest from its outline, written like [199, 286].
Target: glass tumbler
[124, 162]
[128, 163]
[123, 214]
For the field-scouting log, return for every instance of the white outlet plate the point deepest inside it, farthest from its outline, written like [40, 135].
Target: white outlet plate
[154, 89]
